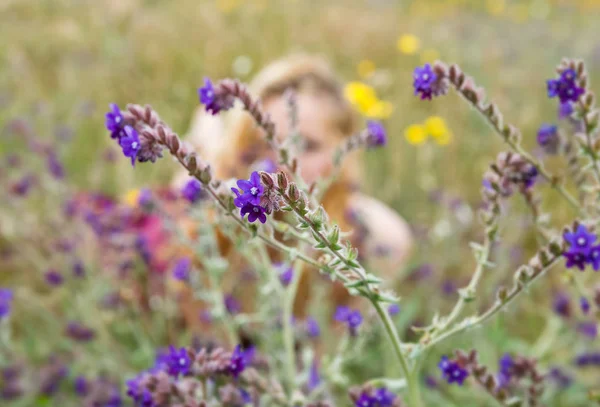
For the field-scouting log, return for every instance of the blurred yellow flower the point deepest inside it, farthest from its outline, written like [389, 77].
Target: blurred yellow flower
[132, 197]
[436, 127]
[429, 55]
[227, 6]
[408, 44]
[495, 7]
[365, 68]
[415, 134]
[361, 95]
[382, 109]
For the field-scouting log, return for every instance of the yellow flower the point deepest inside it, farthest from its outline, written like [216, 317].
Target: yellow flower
[415, 134]
[429, 55]
[408, 44]
[436, 127]
[495, 7]
[132, 196]
[227, 6]
[365, 68]
[382, 109]
[361, 95]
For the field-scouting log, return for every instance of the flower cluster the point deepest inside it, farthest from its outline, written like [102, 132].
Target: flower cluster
[248, 198]
[352, 318]
[565, 87]
[380, 397]
[582, 250]
[428, 82]
[452, 371]
[214, 99]
[137, 148]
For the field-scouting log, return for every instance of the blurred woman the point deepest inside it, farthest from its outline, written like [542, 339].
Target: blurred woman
[235, 146]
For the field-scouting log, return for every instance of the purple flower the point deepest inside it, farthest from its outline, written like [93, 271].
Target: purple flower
[266, 165]
[82, 386]
[22, 187]
[114, 121]
[314, 379]
[250, 191]
[589, 329]
[585, 305]
[232, 305]
[54, 278]
[254, 212]
[312, 328]
[192, 190]
[352, 318]
[78, 269]
[565, 87]
[145, 198]
[580, 240]
[178, 362]
[424, 80]
[452, 372]
[562, 305]
[394, 309]
[6, 297]
[214, 100]
[576, 259]
[181, 271]
[588, 359]
[565, 110]
[286, 274]
[240, 359]
[547, 137]
[55, 167]
[594, 257]
[376, 136]
[504, 374]
[79, 332]
[381, 397]
[130, 143]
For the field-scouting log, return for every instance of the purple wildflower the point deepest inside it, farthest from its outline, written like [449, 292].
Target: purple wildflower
[376, 135]
[565, 87]
[565, 110]
[587, 359]
[581, 240]
[232, 305]
[192, 190]
[381, 397]
[55, 167]
[251, 191]
[82, 386]
[585, 305]
[286, 274]
[114, 121]
[213, 99]
[240, 359]
[79, 332]
[562, 305]
[394, 309]
[424, 79]
[178, 362]
[594, 257]
[312, 328]
[266, 165]
[452, 372]
[548, 139]
[54, 278]
[254, 212]
[352, 318]
[6, 297]
[145, 198]
[576, 259]
[589, 329]
[22, 187]
[314, 379]
[181, 271]
[504, 374]
[130, 143]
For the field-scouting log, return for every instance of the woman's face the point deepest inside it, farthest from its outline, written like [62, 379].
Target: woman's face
[317, 130]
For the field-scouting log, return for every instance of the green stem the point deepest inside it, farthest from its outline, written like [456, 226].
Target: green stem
[288, 331]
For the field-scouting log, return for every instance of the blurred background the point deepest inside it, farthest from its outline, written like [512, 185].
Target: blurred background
[63, 61]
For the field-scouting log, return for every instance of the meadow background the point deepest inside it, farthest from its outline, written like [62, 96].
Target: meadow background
[63, 61]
